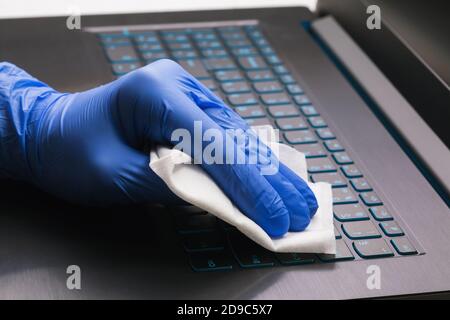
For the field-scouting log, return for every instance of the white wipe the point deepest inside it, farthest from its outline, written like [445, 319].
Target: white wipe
[195, 186]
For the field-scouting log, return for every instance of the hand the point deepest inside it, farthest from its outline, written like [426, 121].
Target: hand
[89, 147]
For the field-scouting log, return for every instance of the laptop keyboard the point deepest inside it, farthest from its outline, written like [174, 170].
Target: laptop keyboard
[239, 64]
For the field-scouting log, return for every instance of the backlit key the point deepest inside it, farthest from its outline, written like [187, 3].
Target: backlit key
[360, 185]
[252, 63]
[403, 246]
[350, 212]
[300, 136]
[235, 87]
[294, 123]
[351, 171]
[195, 67]
[275, 98]
[342, 253]
[333, 146]
[370, 199]
[309, 111]
[372, 248]
[267, 87]
[342, 158]
[242, 99]
[360, 230]
[121, 54]
[319, 165]
[343, 196]
[380, 213]
[391, 229]
[333, 178]
[260, 75]
[250, 111]
[317, 122]
[325, 134]
[282, 111]
[311, 150]
[225, 76]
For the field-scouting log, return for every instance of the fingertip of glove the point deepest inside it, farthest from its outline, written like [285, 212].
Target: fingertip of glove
[277, 226]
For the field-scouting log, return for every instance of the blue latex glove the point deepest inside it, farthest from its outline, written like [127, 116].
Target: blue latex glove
[89, 147]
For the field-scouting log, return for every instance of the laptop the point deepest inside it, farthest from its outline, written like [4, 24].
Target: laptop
[299, 71]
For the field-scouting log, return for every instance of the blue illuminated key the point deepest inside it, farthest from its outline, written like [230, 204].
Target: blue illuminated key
[325, 134]
[391, 229]
[266, 50]
[333, 178]
[380, 213]
[260, 75]
[267, 87]
[248, 253]
[151, 56]
[115, 40]
[309, 111]
[258, 122]
[250, 111]
[211, 261]
[180, 46]
[215, 64]
[206, 241]
[300, 137]
[337, 233]
[319, 165]
[275, 98]
[403, 246]
[351, 171]
[301, 100]
[153, 47]
[214, 53]
[342, 253]
[252, 63]
[360, 185]
[343, 196]
[333, 146]
[121, 54]
[261, 42]
[249, 51]
[243, 99]
[225, 76]
[294, 123]
[370, 199]
[184, 54]
[123, 68]
[149, 37]
[342, 158]
[287, 79]
[295, 258]
[317, 122]
[280, 69]
[360, 230]
[294, 89]
[235, 87]
[311, 150]
[238, 43]
[350, 212]
[372, 248]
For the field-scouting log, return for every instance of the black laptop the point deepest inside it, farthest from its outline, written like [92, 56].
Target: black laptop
[304, 73]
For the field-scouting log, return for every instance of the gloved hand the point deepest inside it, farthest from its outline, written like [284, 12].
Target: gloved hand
[88, 147]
